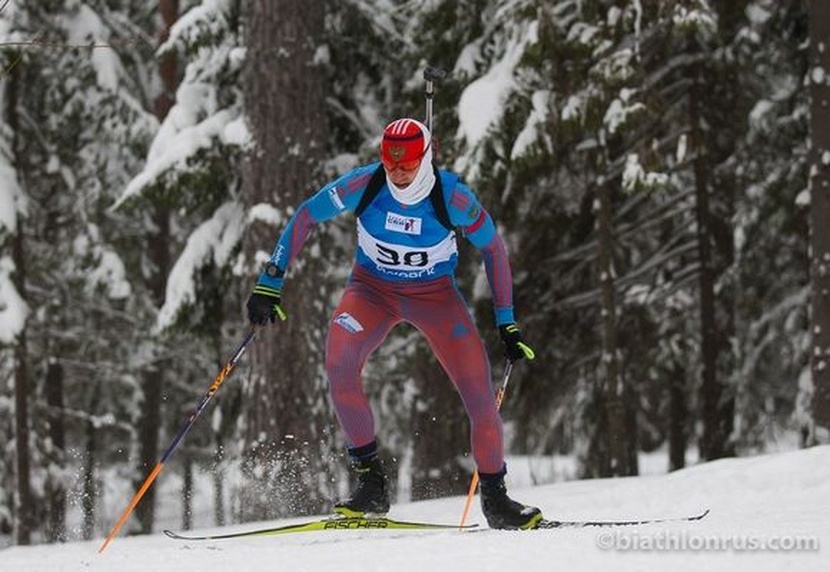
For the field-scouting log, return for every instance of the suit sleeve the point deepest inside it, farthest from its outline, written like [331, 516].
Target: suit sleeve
[335, 198]
[467, 213]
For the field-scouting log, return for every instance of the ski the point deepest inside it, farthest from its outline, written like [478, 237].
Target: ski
[377, 523]
[545, 523]
[337, 523]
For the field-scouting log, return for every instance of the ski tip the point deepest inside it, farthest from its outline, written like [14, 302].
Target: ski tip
[170, 534]
[702, 515]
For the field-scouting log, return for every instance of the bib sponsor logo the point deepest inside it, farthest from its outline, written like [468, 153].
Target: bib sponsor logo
[407, 274]
[404, 224]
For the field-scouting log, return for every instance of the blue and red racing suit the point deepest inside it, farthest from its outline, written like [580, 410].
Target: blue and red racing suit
[404, 272]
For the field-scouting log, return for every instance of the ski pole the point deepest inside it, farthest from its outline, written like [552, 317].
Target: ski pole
[217, 382]
[508, 369]
[432, 76]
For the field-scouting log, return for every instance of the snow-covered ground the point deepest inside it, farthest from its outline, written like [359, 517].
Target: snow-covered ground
[767, 513]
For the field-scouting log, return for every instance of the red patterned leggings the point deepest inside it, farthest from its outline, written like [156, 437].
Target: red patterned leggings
[369, 309]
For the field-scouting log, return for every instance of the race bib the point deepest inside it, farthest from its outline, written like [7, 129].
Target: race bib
[389, 255]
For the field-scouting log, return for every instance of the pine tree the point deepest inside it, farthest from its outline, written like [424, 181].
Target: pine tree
[820, 207]
[71, 145]
[771, 255]
[188, 194]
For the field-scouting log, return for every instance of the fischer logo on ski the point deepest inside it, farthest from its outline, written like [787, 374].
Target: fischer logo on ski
[355, 523]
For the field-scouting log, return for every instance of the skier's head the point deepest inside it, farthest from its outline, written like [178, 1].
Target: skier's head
[406, 151]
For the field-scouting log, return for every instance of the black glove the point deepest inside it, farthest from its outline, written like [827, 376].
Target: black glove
[514, 346]
[264, 305]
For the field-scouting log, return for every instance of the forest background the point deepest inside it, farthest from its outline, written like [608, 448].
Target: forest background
[659, 170]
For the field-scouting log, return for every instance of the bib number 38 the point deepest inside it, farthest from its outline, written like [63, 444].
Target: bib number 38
[390, 257]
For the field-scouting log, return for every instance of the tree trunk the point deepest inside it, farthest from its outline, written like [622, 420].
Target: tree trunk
[187, 493]
[284, 100]
[713, 444]
[820, 207]
[678, 418]
[148, 442]
[90, 486]
[168, 67]
[159, 253]
[218, 484]
[25, 503]
[152, 384]
[618, 436]
[56, 529]
[24, 506]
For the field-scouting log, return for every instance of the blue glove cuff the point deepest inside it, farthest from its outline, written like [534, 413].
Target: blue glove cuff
[270, 281]
[504, 316]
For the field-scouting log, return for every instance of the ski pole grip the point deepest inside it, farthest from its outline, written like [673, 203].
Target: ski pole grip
[432, 74]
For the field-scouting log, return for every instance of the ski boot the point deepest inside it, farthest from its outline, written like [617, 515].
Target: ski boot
[500, 510]
[371, 497]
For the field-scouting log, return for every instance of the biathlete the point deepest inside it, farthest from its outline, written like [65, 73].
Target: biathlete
[407, 214]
